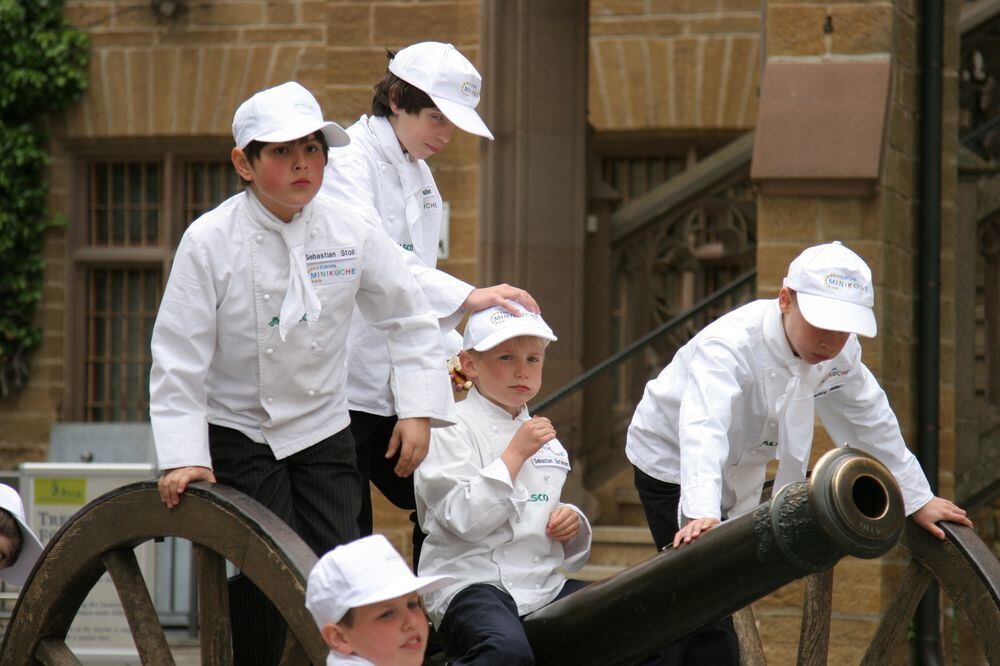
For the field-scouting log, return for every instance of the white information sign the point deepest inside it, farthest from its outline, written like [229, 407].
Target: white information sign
[53, 492]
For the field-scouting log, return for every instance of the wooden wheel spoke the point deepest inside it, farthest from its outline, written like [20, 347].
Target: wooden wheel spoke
[142, 618]
[814, 638]
[751, 649]
[293, 653]
[213, 606]
[897, 617]
[53, 652]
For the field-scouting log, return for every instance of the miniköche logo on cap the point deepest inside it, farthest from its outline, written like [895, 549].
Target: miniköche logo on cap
[469, 89]
[839, 281]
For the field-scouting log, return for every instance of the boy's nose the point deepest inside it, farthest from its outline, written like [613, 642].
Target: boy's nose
[446, 132]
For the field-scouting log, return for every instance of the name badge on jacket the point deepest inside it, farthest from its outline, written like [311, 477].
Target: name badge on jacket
[337, 264]
[552, 454]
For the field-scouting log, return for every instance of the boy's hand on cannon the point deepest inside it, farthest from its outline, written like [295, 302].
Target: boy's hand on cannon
[940, 509]
[693, 530]
[175, 481]
[564, 524]
[410, 437]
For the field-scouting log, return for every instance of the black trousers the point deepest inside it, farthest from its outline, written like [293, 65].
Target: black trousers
[482, 625]
[715, 643]
[372, 433]
[315, 491]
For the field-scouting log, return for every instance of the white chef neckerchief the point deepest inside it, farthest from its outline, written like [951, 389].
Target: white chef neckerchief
[410, 177]
[300, 296]
[796, 417]
[795, 409]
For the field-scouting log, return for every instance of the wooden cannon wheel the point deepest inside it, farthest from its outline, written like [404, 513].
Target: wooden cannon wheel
[967, 571]
[221, 523]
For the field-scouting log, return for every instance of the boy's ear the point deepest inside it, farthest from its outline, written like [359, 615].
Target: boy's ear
[241, 163]
[468, 364]
[336, 639]
[784, 300]
[394, 99]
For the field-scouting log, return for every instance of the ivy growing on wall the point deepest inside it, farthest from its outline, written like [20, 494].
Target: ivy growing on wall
[42, 70]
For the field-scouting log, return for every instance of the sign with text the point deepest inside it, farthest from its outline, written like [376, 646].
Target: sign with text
[52, 493]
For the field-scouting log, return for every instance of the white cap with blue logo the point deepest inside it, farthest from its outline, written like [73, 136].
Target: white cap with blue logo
[488, 328]
[834, 289]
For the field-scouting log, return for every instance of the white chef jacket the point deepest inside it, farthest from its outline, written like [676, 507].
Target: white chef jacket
[481, 526]
[708, 422]
[373, 171]
[217, 354]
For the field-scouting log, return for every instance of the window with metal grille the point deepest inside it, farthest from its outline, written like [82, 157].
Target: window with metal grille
[136, 212]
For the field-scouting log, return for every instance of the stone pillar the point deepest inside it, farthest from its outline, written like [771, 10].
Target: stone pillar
[883, 229]
[533, 200]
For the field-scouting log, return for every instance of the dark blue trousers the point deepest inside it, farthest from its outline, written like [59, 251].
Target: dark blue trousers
[714, 644]
[482, 627]
[317, 492]
[371, 434]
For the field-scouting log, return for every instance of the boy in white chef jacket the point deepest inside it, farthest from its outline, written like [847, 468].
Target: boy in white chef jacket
[488, 499]
[366, 604]
[429, 89]
[745, 390]
[247, 385]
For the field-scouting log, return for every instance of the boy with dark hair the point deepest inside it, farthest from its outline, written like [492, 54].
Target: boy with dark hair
[19, 547]
[366, 603]
[746, 391]
[429, 90]
[247, 386]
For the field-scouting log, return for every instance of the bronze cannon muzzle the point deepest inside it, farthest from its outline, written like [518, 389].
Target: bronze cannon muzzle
[851, 505]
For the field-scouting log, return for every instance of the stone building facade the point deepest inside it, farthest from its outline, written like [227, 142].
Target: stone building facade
[147, 148]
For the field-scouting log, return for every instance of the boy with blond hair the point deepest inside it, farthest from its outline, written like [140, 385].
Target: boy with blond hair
[488, 497]
[249, 368]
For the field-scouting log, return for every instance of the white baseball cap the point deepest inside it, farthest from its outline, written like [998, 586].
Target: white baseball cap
[834, 289]
[359, 573]
[448, 78]
[488, 328]
[284, 113]
[31, 547]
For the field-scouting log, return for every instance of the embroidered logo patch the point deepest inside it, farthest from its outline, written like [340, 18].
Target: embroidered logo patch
[469, 89]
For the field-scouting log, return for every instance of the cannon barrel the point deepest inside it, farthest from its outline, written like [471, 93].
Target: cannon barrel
[850, 506]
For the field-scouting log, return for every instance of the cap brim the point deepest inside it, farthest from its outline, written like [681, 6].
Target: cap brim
[463, 117]
[31, 549]
[335, 135]
[418, 584]
[833, 314]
